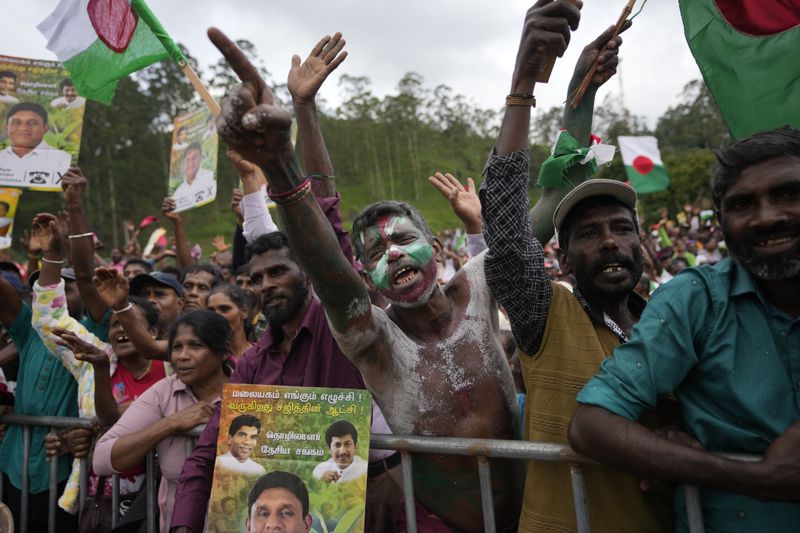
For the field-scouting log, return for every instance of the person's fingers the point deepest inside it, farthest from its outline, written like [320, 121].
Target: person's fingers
[264, 117]
[440, 185]
[235, 58]
[296, 61]
[334, 49]
[471, 185]
[453, 181]
[338, 61]
[569, 9]
[320, 46]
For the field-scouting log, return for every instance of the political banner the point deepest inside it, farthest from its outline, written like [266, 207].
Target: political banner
[9, 198]
[294, 456]
[42, 118]
[193, 160]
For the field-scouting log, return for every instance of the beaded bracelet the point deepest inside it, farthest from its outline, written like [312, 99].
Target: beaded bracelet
[291, 192]
[296, 197]
[318, 176]
[517, 99]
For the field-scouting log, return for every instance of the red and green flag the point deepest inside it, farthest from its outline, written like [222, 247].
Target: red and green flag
[643, 165]
[101, 41]
[748, 53]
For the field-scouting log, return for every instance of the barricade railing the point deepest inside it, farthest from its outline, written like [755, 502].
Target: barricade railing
[482, 449]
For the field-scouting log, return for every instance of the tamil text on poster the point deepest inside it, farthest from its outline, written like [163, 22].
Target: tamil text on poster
[291, 456]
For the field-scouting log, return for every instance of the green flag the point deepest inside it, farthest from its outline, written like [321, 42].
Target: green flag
[101, 41]
[748, 52]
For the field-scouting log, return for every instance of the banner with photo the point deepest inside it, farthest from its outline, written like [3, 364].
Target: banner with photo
[42, 118]
[193, 160]
[299, 453]
[9, 199]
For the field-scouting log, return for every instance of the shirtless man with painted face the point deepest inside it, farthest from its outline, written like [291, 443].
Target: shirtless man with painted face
[432, 359]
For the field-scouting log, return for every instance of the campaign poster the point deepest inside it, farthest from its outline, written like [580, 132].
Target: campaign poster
[42, 118]
[291, 457]
[9, 198]
[193, 160]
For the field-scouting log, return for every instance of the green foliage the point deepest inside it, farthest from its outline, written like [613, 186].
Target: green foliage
[381, 147]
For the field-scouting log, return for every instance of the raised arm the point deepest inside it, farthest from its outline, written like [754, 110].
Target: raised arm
[466, 206]
[113, 289]
[255, 125]
[578, 123]
[81, 236]
[304, 81]
[514, 264]
[105, 405]
[182, 252]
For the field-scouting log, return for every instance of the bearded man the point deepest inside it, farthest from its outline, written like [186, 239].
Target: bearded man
[726, 340]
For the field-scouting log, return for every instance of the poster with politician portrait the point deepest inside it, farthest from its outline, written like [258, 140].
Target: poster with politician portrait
[42, 118]
[9, 198]
[293, 458]
[193, 160]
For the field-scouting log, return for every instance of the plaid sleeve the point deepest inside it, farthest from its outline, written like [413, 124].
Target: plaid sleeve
[514, 264]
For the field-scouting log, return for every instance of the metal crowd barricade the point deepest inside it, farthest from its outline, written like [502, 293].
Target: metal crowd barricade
[482, 449]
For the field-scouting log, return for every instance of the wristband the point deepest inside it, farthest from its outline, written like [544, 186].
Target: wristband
[80, 235]
[320, 177]
[126, 308]
[52, 261]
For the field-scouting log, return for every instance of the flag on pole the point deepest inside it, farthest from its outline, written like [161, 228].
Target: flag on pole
[747, 51]
[101, 41]
[643, 163]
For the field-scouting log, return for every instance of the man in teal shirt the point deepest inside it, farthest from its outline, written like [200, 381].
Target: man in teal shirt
[44, 387]
[726, 340]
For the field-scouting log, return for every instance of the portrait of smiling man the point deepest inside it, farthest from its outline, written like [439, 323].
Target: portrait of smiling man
[278, 501]
[29, 156]
[242, 439]
[344, 465]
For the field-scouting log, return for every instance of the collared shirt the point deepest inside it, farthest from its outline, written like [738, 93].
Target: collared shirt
[163, 399]
[355, 470]
[44, 388]
[732, 359]
[202, 189]
[62, 102]
[41, 167]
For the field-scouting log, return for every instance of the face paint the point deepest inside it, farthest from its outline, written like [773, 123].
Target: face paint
[419, 251]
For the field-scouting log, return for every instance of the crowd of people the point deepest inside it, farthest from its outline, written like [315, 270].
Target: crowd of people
[652, 347]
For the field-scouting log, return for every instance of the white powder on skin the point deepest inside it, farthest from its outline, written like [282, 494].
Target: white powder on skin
[442, 366]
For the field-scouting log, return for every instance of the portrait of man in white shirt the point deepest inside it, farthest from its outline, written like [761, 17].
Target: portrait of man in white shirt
[29, 160]
[199, 184]
[69, 98]
[8, 80]
[344, 465]
[242, 439]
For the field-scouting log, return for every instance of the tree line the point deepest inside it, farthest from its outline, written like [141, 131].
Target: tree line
[381, 147]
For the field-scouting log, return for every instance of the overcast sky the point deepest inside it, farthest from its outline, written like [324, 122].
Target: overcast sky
[469, 45]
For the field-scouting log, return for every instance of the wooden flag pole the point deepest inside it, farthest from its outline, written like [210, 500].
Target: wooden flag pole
[198, 85]
[584, 86]
[544, 74]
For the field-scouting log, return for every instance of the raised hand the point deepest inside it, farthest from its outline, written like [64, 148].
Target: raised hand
[48, 232]
[74, 185]
[252, 121]
[547, 29]
[168, 209]
[30, 243]
[112, 287]
[608, 51]
[83, 350]
[307, 77]
[464, 200]
[236, 204]
[219, 244]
